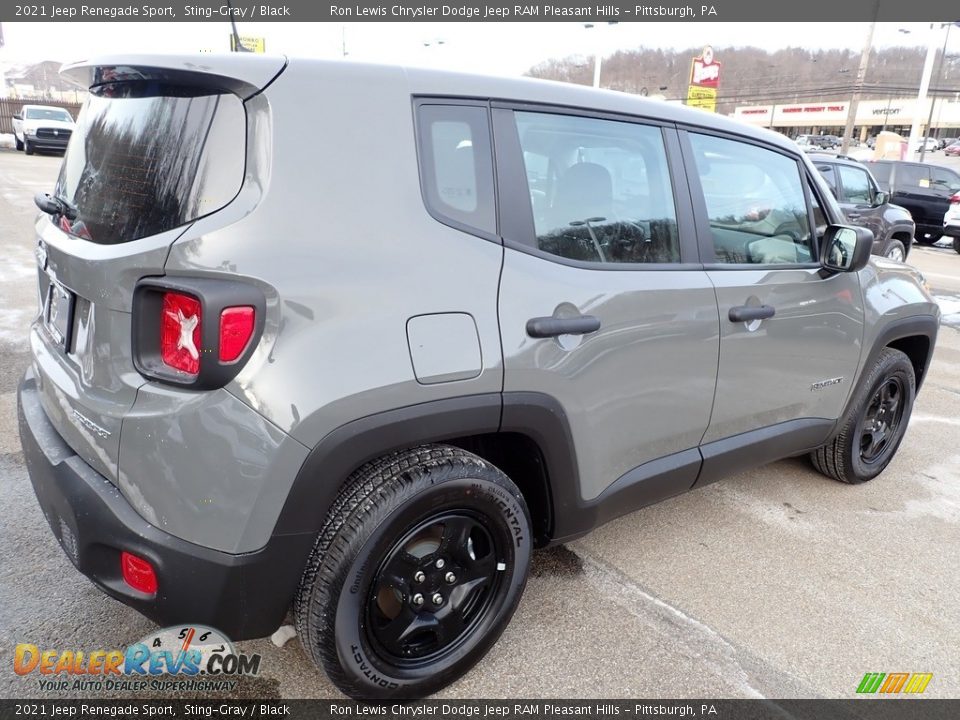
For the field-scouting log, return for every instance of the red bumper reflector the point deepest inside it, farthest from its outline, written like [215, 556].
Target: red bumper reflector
[138, 573]
[236, 329]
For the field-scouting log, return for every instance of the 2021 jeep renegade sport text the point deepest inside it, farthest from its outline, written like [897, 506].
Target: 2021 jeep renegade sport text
[356, 339]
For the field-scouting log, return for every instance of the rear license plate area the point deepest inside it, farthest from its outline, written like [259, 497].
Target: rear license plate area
[58, 313]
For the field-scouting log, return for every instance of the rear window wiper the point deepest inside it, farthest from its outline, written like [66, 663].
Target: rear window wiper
[55, 205]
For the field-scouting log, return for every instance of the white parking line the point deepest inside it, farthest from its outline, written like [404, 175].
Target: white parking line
[920, 417]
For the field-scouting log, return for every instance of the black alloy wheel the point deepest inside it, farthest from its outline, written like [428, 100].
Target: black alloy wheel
[881, 420]
[434, 587]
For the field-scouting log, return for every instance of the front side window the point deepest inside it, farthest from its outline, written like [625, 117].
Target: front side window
[857, 187]
[600, 189]
[755, 203]
[456, 165]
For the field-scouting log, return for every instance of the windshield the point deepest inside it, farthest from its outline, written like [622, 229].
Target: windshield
[145, 159]
[47, 114]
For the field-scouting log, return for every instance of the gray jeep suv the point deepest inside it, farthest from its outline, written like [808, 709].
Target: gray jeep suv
[366, 374]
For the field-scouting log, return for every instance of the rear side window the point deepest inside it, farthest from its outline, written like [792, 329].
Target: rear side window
[147, 158]
[755, 203]
[828, 174]
[600, 189]
[856, 185]
[456, 165]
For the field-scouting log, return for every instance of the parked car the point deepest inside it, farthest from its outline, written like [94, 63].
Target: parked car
[943, 142]
[924, 190]
[810, 143]
[952, 149]
[951, 221]
[864, 203]
[41, 127]
[370, 395]
[927, 144]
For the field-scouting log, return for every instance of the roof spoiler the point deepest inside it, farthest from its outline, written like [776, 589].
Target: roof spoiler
[243, 74]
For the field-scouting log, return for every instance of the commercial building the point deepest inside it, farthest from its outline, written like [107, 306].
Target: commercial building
[830, 117]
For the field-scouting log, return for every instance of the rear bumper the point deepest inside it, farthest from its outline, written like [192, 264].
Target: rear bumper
[244, 596]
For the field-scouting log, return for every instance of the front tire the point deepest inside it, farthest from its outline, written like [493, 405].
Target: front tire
[871, 430]
[27, 147]
[18, 142]
[415, 574]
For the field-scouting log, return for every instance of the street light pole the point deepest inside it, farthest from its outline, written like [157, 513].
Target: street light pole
[922, 94]
[599, 55]
[855, 97]
[943, 53]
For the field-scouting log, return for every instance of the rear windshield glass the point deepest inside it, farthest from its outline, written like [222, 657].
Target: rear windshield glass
[47, 114]
[147, 158]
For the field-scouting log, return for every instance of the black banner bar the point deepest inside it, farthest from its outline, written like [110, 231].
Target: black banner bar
[466, 11]
[857, 709]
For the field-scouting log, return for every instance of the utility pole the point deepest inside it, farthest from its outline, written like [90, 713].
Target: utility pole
[922, 95]
[933, 101]
[857, 88]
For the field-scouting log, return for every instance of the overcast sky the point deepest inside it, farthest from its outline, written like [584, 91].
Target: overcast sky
[488, 47]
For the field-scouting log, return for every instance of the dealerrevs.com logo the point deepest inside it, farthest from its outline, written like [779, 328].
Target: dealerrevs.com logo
[894, 683]
[184, 652]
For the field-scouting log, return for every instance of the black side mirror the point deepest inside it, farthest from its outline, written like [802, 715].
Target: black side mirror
[17, 116]
[880, 198]
[845, 248]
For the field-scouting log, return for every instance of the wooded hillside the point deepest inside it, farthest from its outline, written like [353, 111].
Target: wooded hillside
[754, 76]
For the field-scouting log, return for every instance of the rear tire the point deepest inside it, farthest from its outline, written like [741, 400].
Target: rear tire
[415, 574]
[18, 142]
[956, 244]
[876, 421]
[895, 250]
[927, 238]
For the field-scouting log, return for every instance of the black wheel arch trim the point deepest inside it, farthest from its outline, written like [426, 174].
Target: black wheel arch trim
[348, 447]
[925, 326]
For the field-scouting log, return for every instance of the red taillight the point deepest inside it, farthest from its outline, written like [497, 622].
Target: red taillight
[236, 329]
[180, 332]
[138, 573]
[955, 199]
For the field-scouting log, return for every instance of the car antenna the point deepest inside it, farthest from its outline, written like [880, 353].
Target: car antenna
[237, 45]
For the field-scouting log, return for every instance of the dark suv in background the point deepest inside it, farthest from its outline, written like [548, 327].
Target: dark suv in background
[924, 190]
[864, 203]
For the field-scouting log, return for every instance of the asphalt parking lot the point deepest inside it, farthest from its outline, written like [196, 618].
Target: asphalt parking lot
[776, 582]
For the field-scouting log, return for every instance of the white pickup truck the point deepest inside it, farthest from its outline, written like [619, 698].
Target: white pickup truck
[42, 127]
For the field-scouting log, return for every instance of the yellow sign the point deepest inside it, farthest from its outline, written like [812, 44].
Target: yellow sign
[253, 44]
[704, 98]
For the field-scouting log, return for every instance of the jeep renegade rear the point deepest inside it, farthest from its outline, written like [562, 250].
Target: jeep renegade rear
[356, 339]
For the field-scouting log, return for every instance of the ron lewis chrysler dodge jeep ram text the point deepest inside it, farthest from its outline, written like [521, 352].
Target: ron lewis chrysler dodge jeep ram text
[358, 350]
